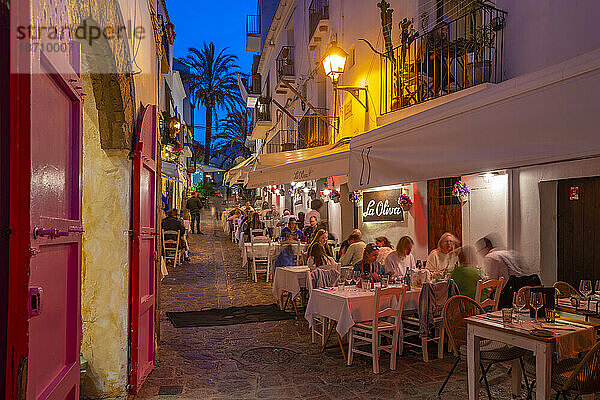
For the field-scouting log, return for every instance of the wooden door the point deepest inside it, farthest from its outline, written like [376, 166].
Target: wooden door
[444, 212]
[56, 230]
[143, 254]
[578, 242]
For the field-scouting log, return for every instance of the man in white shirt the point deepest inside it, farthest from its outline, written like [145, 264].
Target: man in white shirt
[499, 263]
[355, 251]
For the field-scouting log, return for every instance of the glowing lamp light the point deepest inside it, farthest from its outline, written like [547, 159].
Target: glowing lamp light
[334, 62]
[326, 192]
[305, 190]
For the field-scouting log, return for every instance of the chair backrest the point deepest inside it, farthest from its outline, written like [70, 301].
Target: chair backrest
[262, 251]
[564, 290]
[396, 294]
[455, 311]
[322, 278]
[257, 232]
[170, 244]
[440, 295]
[585, 379]
[492, 284]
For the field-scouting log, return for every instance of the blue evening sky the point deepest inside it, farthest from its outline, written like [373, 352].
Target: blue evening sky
[220, 21]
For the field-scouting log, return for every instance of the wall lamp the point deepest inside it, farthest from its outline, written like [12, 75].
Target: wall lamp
[334, 63]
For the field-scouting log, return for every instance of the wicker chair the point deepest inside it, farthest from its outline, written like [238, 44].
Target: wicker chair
[564, 290]
[455, 311]
[572, 376]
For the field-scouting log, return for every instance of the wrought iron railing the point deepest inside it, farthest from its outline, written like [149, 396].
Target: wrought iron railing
[312, 130]
[318, 10]
[263, 110]
[284, 140]
[252, 83]
[253, 25]
[285, 62]
[453, 56]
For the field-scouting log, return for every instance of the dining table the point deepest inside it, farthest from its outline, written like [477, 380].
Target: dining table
[344, 306]
[262, 248]
[289, 280]
[580, 309]
[562, 339]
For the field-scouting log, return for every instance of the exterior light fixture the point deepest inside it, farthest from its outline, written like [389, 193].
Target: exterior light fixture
[334, 63]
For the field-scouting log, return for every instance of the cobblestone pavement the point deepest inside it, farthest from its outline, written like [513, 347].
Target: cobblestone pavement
[270, 359]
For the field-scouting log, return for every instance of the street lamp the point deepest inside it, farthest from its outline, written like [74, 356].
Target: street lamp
[334, 63]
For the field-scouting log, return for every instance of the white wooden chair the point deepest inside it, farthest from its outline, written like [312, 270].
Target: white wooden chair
[386, 323]
[319, 323]
[492, 284]
[258, 235]
[297, 249]
[171, 247]
[261, 259]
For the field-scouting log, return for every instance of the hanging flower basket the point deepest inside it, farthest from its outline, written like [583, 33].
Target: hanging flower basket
[461, 190]
[405, 202]
[355, 196]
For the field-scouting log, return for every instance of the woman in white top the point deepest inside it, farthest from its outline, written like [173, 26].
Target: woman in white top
[397, 262]
[443, 259]
[385, 248]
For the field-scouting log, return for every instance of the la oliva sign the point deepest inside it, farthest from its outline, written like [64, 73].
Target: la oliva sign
[382, 206]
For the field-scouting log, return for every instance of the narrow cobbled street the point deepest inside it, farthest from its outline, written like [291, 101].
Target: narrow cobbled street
[268, 359]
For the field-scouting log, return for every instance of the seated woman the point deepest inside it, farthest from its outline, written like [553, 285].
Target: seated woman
[311, 229]
[369, 264]
[292, 230]
[401, 260]
[318, 256]
[441, 261]
[465, 275]
[254, 223]
[320, 238]
[385, 248]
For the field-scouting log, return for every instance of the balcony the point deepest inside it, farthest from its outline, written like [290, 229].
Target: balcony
[457, 55]
[253, 40]
[318, 22]
[284, 140]
[284, 64]
[312, 131]
[262, 119]
[190, 164]
[250, 89]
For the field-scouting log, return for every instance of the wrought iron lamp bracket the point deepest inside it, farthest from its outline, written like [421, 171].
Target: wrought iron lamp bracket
[355, 92]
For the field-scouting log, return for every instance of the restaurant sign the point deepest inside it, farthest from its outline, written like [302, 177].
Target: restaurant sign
[382, 206]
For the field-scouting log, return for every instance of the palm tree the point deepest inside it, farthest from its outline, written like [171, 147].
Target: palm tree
[213, 84]
[233, 132]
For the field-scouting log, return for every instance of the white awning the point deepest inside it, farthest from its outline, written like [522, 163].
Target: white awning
[300, 165]
[207, 169]
[546, 116]
[239, 173]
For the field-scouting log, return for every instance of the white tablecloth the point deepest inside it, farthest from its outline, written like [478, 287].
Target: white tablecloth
[275, 247]
[349, 306]
[289, 279]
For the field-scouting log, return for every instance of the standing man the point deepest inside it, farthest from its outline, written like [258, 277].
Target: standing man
[499, 263]
[195, 205]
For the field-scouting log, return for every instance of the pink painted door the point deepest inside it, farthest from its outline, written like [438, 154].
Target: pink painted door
[55, 219]
[143, 254]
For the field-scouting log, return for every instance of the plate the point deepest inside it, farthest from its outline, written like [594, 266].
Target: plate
[542, 333]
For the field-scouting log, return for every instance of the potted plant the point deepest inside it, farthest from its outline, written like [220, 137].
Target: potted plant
[482, 46]
[405, 202]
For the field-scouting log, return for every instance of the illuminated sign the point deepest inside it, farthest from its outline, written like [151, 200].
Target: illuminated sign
[382, 206]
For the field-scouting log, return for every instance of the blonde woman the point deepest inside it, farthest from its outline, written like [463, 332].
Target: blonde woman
[399, 261]
[441, 261]
[385, 248]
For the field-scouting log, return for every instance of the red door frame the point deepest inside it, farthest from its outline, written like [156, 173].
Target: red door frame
[137, 374]
[20, 178]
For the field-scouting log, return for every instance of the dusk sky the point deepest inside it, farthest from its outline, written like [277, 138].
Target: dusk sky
[221, 22]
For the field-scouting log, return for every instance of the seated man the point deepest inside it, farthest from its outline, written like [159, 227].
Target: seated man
[355, 251]
[173, 223]
[292, 231]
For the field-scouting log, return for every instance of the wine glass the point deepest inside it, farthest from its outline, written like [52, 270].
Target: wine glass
[537, 301]
[585, 287]
[518, 304]
[597, 288]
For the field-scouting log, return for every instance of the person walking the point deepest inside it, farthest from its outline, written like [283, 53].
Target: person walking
[195, 205]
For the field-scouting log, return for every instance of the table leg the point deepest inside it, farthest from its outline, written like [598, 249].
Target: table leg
[516, 378]
[473, 361]
[339, 338]
[543, 369]
[331, 326]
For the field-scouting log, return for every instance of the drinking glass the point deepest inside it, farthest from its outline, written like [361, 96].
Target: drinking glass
[597, 290]
[518, 303]
[585, 287]
[537, 301]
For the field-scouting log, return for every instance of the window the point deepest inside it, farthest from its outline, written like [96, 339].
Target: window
[445, 186]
